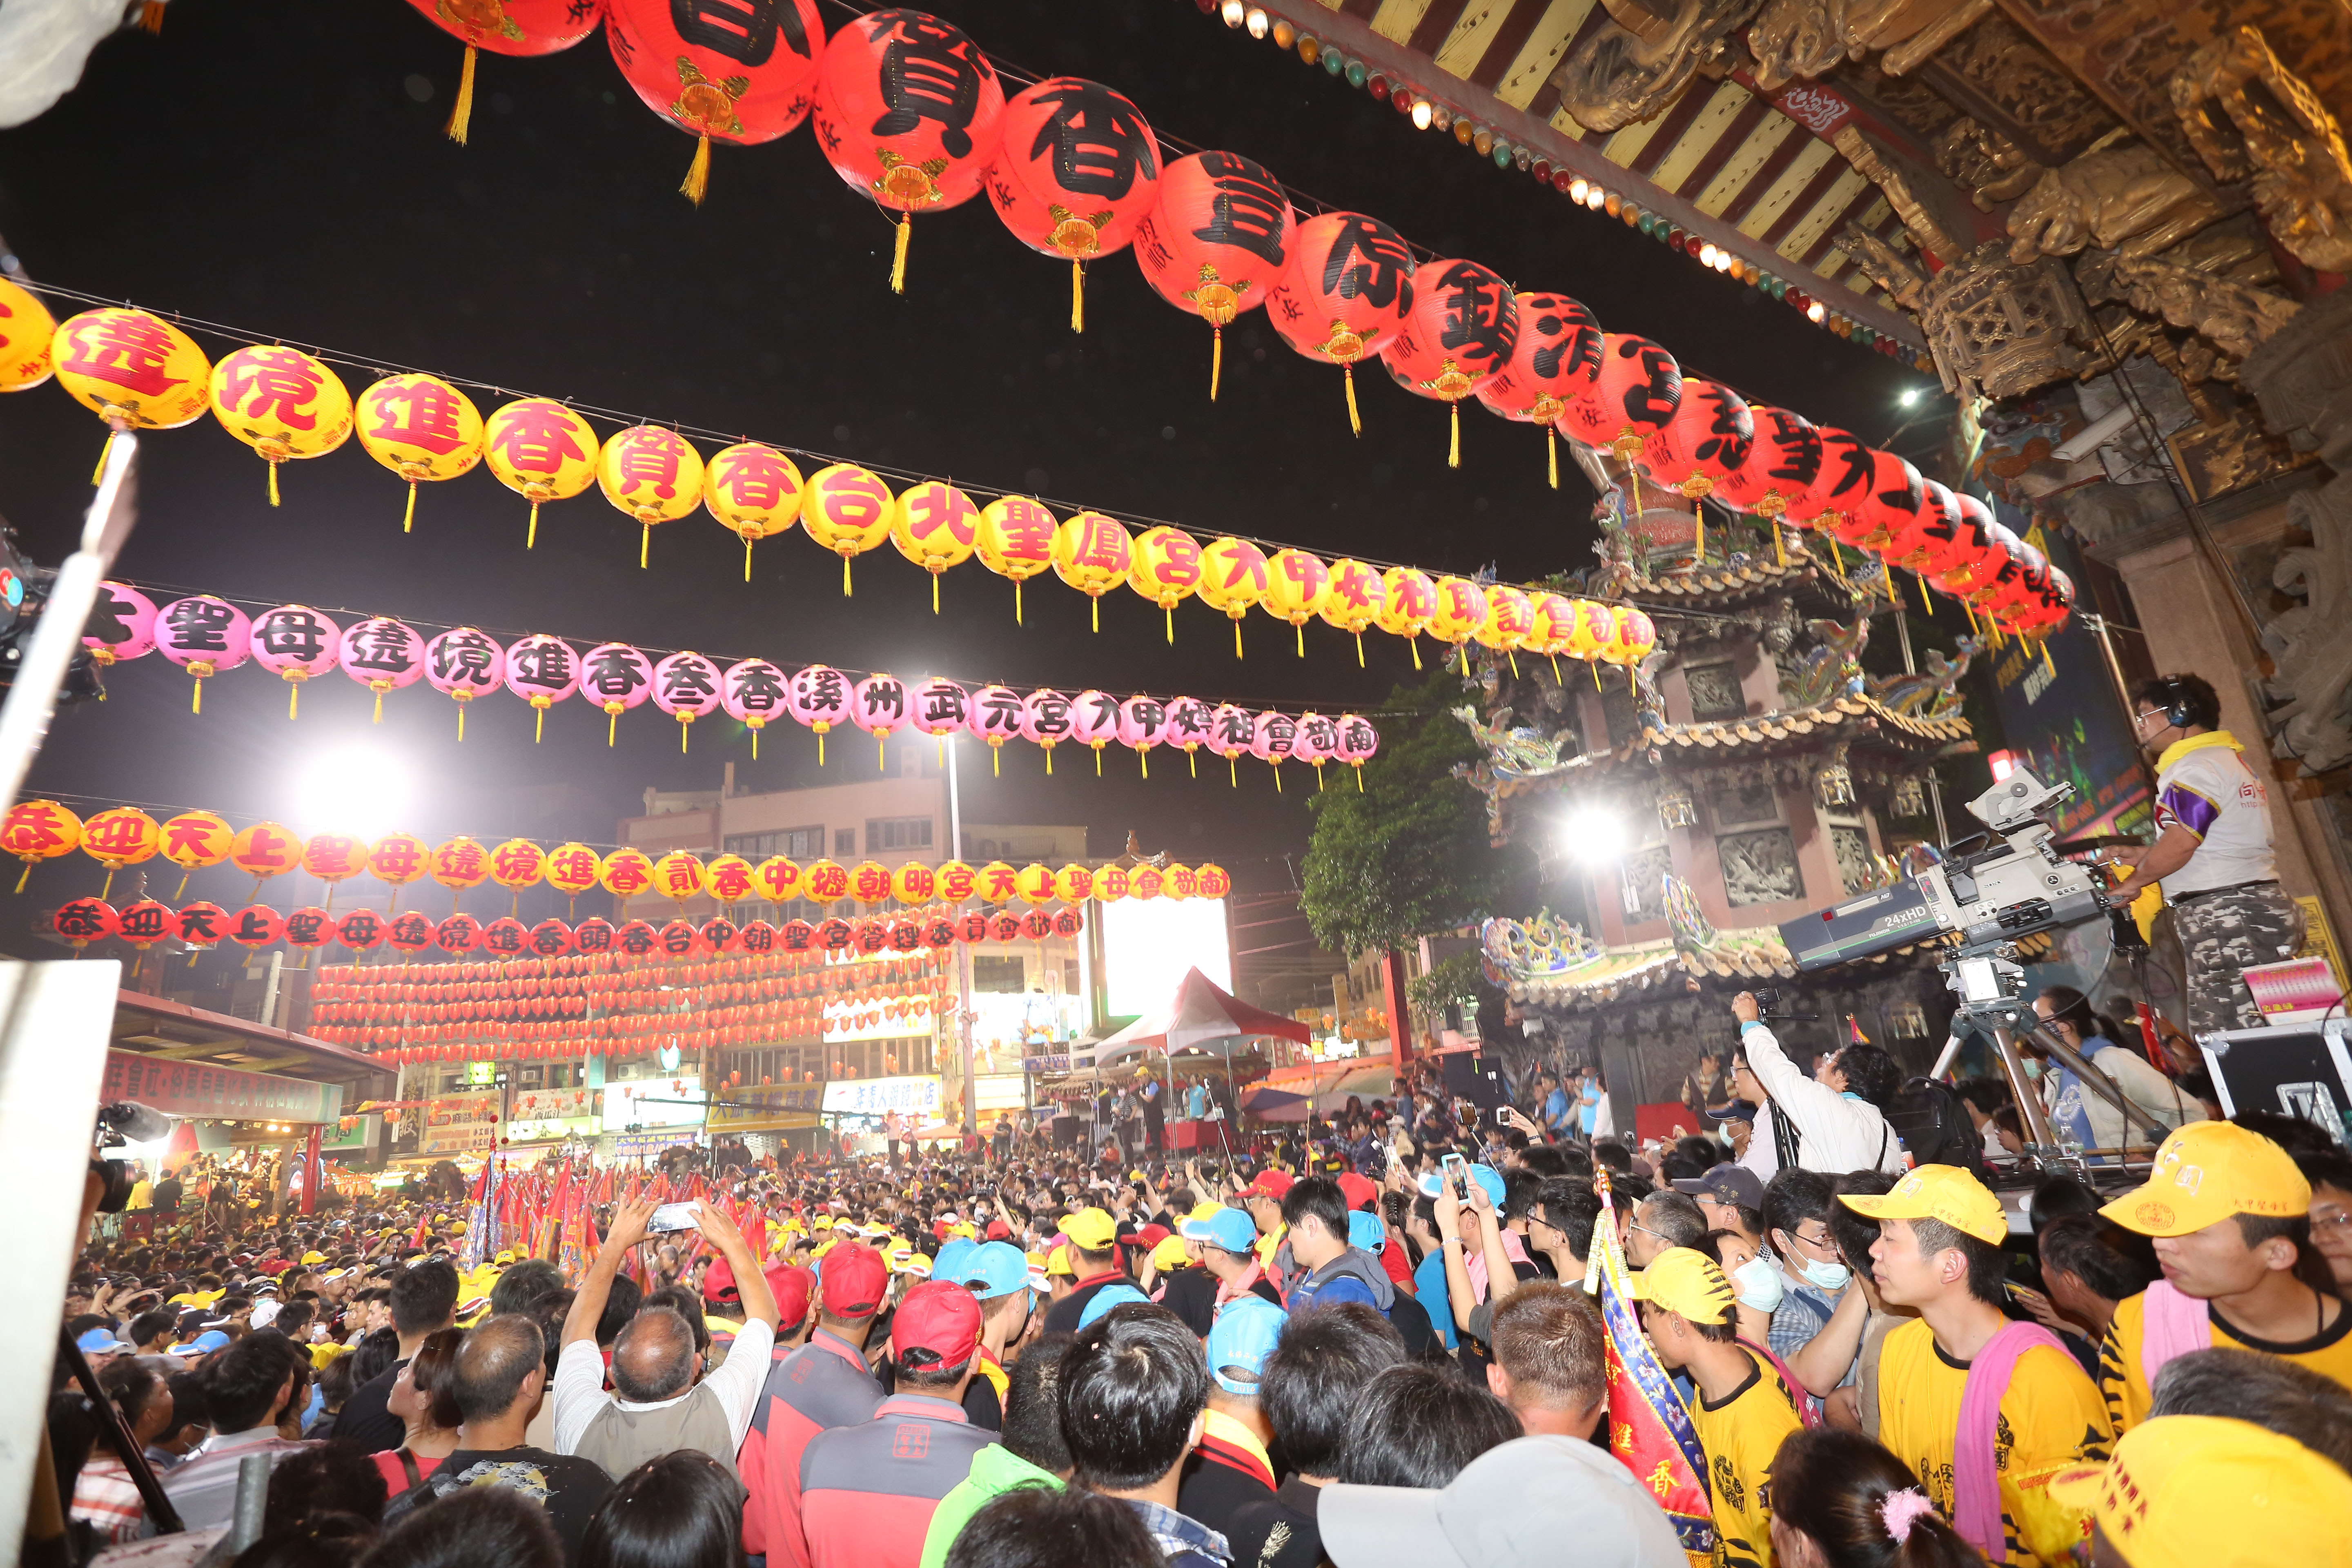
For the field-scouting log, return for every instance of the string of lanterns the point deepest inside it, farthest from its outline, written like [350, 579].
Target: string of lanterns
[1450, 330]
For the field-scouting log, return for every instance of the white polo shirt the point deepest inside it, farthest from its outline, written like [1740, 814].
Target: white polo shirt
[2209, 790]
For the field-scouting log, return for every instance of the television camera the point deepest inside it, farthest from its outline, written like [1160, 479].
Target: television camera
[1978, 899]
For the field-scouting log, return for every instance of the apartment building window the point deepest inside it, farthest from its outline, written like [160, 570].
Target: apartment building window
[792, 842]
[844, 841]
[897, 832]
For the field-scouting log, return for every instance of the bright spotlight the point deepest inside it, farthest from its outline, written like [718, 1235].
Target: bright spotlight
[364, 790]
[1910, 396]
[1593, 835]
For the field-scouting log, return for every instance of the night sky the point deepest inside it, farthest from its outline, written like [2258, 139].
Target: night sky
[280, 167]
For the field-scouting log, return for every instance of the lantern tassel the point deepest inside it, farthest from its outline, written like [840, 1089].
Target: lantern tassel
[683, 721]
[108, 886]
[1780, 545]
[844, 574]
[820, 748]
[1360, 777]
[1413, 643]
[1555, 668]
[1077, 295]
[151, 20]
[898, 257]
[755, 745]
[747, 558]
[531, 540]
[1453, 443]
[1698, 534]
[175, 892]
[1926, 602]
[1233, 779]
[1318, 778]
[539, 729]
[198, 704]
[1016, 601]
[1513, 655]
[996, 759]
[935, 588]
[1094, 611]
[408, 520]
[1145, 758]
[379, 708]
[881, 756]
[1191, 760]
[461, 114]
[644, 544]
[612, 727]
[293, 698]
[107, 446]
[461, 723]
[1049, 761]
[2049, 668]
[1359, 650]
[273, 483]
[1097, 773]
[1551, 454]
[1277, 778]
[1596, 674]
[1237, 636]
[1216, 358]
[1355, 420]
[697, 174]
[1170, 611]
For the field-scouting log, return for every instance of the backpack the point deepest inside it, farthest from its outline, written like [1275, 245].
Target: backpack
[1932, 1120]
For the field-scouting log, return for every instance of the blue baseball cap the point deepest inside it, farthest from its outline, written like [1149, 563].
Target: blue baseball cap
[1367, 1231]
[203, 1344]
[993, 1269]
[1245, 1335]
[97, 1342]
[1109, 1297]
[954, 1258]
[1231, 1229]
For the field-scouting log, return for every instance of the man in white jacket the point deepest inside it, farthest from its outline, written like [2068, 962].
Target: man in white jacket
[1833, 1127]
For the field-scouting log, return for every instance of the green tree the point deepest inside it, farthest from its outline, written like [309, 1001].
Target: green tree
[1408, 854]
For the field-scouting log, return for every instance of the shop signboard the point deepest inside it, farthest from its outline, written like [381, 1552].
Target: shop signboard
[916, 1095]
[195, 1091]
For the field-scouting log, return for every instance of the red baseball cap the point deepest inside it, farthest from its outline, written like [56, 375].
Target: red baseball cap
[999, 1231]
[791, 1286]
[718, 1284]
[1150, 1236]
[1275, 1184]
[854, 1279]
[938, 1317]
[1357, 1190]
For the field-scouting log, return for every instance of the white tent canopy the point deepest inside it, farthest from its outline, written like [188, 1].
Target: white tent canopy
[1201, 1016]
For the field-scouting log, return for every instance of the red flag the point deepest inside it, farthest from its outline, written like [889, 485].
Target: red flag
[1649, 1428]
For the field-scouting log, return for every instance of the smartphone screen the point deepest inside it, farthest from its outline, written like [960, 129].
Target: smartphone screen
[672, 1217]
[1455, 1169]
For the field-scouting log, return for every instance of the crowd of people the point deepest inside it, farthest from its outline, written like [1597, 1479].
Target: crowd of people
[1378, 1345]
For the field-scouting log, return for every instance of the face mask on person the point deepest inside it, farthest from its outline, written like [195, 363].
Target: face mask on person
[1758, 1283]
[2033, 1069]
[1827, 1275]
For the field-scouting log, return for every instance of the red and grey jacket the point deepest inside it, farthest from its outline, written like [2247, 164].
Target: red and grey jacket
[822, 1384]
[867, 1492]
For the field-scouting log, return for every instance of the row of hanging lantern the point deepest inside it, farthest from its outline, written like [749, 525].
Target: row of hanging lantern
[744, 975]
[1535, 358]
[207, 635]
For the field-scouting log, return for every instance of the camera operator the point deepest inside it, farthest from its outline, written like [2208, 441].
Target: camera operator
[1835, 1126]
[2214, 857]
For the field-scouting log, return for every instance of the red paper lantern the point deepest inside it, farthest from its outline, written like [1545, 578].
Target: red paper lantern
[2017, 586]
[505, 28]
[459, 934]
[1556, 357]
[636, 939]
[1844, 485]
[1783, 465]
[592, 935]
[310, 928]
[679, 939]
[1459, 335]
[549, 938]
[1216, 241]
[739, 70]
[1933, 542]
[200, 924]
[361, 930]
[1893, 498]
[145, 923]
[84, 921]
[1637, 388]
[720, 933]
[1974, 549]
[909, 111]
[1707, 438]
[1345, 291]
[1076, 169]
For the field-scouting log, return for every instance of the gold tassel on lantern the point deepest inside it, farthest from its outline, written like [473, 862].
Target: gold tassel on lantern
[1780, 545]
[1216, 358]
[1926, 602]
[273, 481]
[845, 590]
[644, 544]
[1094, 612]
[1551, 454]
[898, 256]
[409, 522]
[104, 448]
[697, 174]
[531, 540]
[1699, 537]
[1077, 296]
[1355, 421]
[1453, 444]
[1237, 636]
[1169, 611]
[461, 114]
[747, 574]
[1016, 601]
[1359, 650]
[1414, 643]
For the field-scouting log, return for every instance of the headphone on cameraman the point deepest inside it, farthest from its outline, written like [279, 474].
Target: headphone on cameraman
[2177, 697]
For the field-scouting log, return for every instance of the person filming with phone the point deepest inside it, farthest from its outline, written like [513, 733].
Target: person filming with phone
[2213, 855]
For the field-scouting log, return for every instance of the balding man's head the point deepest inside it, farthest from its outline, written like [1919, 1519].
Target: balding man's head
[498, 1357]
[654, 1357]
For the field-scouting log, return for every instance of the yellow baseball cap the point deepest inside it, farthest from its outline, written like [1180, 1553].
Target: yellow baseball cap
[1204, 1212]
[309, 1257]
[2205, 1491]
[1090, 1229]
[823, 1222]
[2205, 1173]
[1170, 1254]
[1058, 1262]
[1683, 1279]
[1944, 1192]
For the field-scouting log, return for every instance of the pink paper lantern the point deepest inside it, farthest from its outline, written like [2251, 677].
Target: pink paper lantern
[878, 706]
[1273, 738]
[1315, 739]
[995, 714]
[542, 671]
[940, 707]
[753, 692]
[1094, 720]
[383, 655]
[1142, 724]
[1046, 720]
[295, 642]
[121, 623]
[1233, 729]
[1357, 740]
[203, 636]
[686, 687]
[819, 697]
[462, 664]
[616, 677]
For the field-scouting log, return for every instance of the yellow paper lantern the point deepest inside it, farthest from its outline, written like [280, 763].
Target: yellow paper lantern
[653, 475]
[541, 451]
[625, 873]
[1111, 884]
[420, 427]
[135, 371]
[282, 403]
[1016, 540]
[998, 883]
[121, 836]
[517, 864]
[1167, 569]
[1233, 579]
[958, 882]
[678, 875]
[27, 329]
[778, 877]
[871, 883]
[1510, 617]
[1299, 584]
[914, 883]
[193, 840]
[1461, 611]
[753, 491]
[1354, 601]
[39, 830]
[935, 526]
[460, 863]
[1411, 601]
[1211, 880]
[1036, 885]
[1145, 882]
[848, 511]
[1074, 884]
[1181, 882]
[572, 869]
[728, 878]
[1093, 554]
[824, 883]
[334, 857]
[264, 850]
[1596, 629]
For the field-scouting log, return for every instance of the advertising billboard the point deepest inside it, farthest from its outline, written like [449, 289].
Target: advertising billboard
[1148, 943]
[919, 1094]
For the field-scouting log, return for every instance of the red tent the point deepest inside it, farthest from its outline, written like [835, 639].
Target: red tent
[1199, 1016]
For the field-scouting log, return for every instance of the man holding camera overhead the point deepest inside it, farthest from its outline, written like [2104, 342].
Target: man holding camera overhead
[2212, 855]
[1834, 1123]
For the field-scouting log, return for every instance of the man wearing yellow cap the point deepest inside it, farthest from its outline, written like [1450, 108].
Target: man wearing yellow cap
[1982, 1409]
[2232, 1219]
[1744, 1410]
[2204, 1491]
